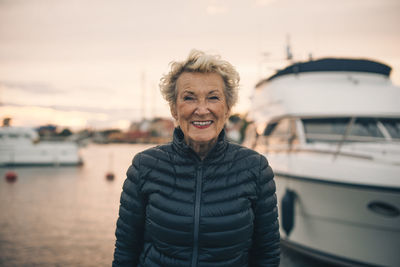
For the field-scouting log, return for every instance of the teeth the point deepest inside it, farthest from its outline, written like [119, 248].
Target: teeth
[202, 123]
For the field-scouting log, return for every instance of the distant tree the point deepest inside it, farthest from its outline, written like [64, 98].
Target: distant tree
[6, 122]
[243, 129]
[65, 132]
[235, 118]
[242, 121]
[110, 131]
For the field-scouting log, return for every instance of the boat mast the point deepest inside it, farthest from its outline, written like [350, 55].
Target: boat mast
[143, 91]
[289, 54]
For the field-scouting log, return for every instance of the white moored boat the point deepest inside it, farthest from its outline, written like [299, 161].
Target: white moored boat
[20, 146]
[330, 129]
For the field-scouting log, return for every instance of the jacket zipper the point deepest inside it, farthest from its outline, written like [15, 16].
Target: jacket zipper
[199, 179]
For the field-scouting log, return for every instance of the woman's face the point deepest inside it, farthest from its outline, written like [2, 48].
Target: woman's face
[201, 110]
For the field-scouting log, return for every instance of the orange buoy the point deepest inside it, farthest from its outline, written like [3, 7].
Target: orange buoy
[110, 176]
[11, 176]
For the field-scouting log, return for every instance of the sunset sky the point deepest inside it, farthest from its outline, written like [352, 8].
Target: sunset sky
[97, 63]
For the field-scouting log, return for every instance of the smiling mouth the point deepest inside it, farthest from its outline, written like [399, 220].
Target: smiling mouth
[201, 124]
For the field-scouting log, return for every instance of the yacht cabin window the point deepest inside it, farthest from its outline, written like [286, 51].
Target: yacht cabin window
[338, 129]
[366, 127]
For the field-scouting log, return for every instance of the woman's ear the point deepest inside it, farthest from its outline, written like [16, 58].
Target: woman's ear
[228, 113]
[173, 112]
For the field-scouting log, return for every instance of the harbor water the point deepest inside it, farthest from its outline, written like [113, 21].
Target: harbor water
[66, 216]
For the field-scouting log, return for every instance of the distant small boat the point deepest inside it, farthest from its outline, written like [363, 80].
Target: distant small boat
[330, 129]
[20, 146]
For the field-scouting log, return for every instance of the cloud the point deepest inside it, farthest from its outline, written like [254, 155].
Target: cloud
[32, 87]
[97, 110]
[35, 116]
[68, 116]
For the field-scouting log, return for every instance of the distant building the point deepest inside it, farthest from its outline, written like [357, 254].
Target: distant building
[161, 127]
[157, 130]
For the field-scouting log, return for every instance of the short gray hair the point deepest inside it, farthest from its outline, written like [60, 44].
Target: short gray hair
[198, 61]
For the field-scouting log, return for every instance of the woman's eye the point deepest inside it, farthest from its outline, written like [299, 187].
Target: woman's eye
[214, 97]
[187, 98]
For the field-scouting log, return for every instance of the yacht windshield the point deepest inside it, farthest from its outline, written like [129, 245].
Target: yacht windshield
[342, 129]
[365, 127]
[392, 126]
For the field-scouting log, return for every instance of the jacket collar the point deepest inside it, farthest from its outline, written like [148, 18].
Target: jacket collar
[184, 150]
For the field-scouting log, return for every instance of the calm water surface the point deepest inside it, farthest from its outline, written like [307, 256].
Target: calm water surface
[65, 216]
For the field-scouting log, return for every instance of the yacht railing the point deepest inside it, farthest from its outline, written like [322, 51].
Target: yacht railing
[346, 133]
[332, 138]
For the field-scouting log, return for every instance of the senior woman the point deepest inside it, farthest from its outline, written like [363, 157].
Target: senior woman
[199, 200]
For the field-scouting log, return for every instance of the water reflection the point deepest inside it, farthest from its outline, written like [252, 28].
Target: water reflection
[63, 216]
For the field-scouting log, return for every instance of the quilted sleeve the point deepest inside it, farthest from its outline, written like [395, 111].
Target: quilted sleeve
[129, 232]
[266, 240]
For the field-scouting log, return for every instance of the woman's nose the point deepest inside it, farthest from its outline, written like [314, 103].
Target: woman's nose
[202, 108]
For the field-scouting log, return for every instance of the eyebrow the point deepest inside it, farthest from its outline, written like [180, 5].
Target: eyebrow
[188, 92]
[209, 93]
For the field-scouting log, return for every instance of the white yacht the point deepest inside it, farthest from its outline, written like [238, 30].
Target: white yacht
[330, 129]
[20, 146]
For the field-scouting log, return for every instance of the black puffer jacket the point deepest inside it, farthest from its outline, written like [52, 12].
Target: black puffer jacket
[177, 210]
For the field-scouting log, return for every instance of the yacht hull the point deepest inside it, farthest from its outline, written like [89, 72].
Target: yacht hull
[42, 154]
[338, 220]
